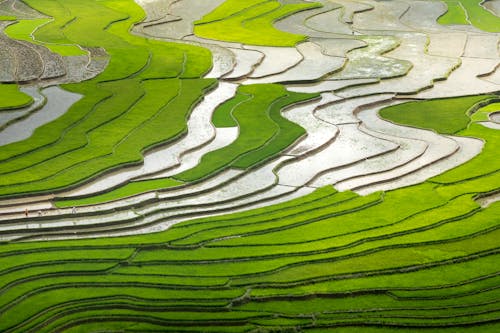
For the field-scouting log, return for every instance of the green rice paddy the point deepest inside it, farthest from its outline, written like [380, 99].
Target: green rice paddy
[123, 108]
[23, 29]
[127, 190]
[422, 258]
[12, 98]
[422, 255]
[446, 116]
[470, 12]
[255, 106]
[456, 14]
[250, 22]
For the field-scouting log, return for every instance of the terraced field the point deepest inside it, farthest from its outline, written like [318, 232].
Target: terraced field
[249, 166]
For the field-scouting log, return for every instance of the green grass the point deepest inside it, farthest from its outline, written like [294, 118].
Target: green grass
[483, 164]
[146, 85]
[418, 114]
[361, 305]
[383, 259]
[141, 326]
[12, 98]
[113, 143]
[431, 279]
[484, 328]
[127, 190]
[14, 259]
[253, 106]
[250, 22]
[288, 132]
[269, 232]
[105, 284]
[229, 8]
[223, 114]
[450, 290]
[380, 234]
[303, 209]
[69, 288]
[141, 316]
[23, 29]
[420, 258]
[456, 14]
[421, 255]
[470, 12]
[482, 113]
[446, 116]
[480, 17]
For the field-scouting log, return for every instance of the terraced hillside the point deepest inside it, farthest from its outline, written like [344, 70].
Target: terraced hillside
[249, 166]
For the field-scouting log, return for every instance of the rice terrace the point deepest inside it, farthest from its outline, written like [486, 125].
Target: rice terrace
[249, 166]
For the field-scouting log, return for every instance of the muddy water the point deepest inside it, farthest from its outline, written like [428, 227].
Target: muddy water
[160, 162]
[495, 117]
[337, 150]
[493, 6]
[7, 117]
[58, 102]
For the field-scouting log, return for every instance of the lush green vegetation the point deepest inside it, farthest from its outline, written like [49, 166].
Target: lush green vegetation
[424, 255]
[121, 114]
[223, 114]
[480, 17]
[12, 98]
[418, 259]
[22, 30]
[258, 105]
[163, 275]
[147, 84]
[142, 114]
[446, 116]
[352, 276]
[127, 190]
[229, 8]
[254, 106]
[250, 22]
[483, 165]
[482, 114]
[455, 14]
[470, 12]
